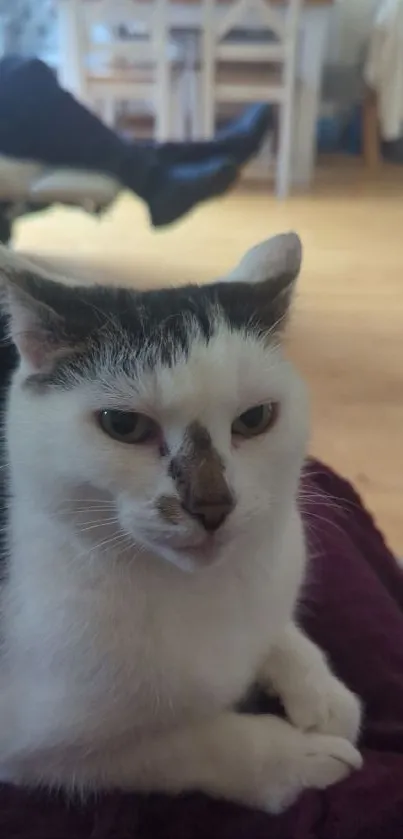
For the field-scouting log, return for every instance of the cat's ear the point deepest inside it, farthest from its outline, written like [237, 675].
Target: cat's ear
[278, 257]
[38, 331]
[269, 271]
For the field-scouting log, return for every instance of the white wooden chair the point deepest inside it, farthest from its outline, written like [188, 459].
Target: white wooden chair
[249, 55]
[126, 56]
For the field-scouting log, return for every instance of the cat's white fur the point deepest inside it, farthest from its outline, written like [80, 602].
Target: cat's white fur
[120, 664]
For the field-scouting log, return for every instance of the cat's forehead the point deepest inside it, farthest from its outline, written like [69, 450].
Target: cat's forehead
[171, 319]
[230, 368]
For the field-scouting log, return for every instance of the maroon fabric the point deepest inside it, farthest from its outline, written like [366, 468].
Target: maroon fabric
[353, 606]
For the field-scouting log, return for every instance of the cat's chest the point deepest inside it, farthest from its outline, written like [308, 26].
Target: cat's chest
[138, 648]
[125, 648]
[190, 646]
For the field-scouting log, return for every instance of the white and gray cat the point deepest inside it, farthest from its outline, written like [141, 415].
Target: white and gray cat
[155, 549]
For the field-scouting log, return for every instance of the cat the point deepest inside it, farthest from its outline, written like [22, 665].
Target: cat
[155, 550]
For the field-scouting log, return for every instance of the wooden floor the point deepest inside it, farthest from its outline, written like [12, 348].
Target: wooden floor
[347, 333]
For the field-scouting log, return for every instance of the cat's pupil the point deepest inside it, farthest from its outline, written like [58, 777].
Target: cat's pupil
[123, 423]
[253, 417]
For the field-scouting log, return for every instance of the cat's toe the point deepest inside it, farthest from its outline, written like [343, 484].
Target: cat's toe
[322, 761]
[327, 707]
[326, 761]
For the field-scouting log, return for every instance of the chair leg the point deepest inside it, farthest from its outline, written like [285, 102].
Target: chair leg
[207, 88]
[108, 112]
[284, 152]
[177, 129]
[208, 113]
[370, 131]
[162, 106]
[194, 104]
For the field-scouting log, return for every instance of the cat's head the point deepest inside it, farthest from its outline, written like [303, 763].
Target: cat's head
[170, 414]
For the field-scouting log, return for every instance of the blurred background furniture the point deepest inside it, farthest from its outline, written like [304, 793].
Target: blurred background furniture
[120, 51]
[334, 100]
[383, 74]
[250, 56]
[371, 140]
[187, 17]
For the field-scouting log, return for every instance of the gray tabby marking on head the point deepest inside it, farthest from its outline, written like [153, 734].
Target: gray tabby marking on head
[70, 332]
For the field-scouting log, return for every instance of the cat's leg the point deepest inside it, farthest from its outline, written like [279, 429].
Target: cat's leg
[258, 761]
[314, 699]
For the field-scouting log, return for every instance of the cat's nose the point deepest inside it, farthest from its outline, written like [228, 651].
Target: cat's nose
[211, 516]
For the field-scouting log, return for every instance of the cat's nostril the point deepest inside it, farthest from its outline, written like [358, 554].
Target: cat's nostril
[212, 516]
[212, 521]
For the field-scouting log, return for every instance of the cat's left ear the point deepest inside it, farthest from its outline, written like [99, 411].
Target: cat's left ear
[266, 276]
[39, 332]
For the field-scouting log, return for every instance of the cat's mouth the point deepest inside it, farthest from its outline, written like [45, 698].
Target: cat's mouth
[207, 546]
[191, 554]
[189, 549]
[200, 555]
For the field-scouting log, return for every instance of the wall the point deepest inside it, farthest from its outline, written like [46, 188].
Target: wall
[30, 27]
[349, 30]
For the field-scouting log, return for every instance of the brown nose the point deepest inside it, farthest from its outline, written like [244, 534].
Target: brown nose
[211, 516]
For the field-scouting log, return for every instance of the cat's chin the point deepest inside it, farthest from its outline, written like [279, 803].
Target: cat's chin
[191, 559]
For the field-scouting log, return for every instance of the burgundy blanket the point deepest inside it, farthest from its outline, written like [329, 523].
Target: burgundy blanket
[353, 606]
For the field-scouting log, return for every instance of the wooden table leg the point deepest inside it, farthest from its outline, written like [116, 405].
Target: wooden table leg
[371, 147]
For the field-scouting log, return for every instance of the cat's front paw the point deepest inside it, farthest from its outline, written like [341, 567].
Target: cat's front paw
[319, 763]
[326, 706]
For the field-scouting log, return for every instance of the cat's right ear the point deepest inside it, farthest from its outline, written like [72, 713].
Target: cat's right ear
[265, 279]
[37, 330]
[277, 258]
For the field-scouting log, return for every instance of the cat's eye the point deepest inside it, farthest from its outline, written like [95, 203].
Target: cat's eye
[127, 426]
[256, 420]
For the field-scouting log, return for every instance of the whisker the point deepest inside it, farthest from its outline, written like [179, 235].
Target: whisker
[100, 523]
[322, 520]
[89, 501]
[119, 537]
[116, 539]
[92, 510]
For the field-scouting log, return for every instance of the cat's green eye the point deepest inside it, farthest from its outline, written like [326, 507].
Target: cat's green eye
[256, 420]
[127, 426]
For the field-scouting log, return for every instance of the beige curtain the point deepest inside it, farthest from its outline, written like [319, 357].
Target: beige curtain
[384, 67]
[349, 30]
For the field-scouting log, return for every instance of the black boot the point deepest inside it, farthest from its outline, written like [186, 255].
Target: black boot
[183, 187]
[41, 121]
[172, 190]
[241, 140]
